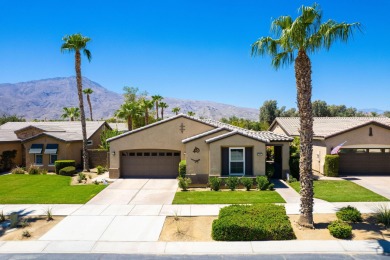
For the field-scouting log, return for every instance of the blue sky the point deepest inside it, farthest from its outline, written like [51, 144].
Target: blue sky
[195, 49]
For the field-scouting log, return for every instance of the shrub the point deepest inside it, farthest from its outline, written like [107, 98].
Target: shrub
[7, 159]
[100, 169]
[247, 182]
[2, 216]
[184, 183]
[331, 166]
[96, 182]
[34, 170]
[269, 170]
[215, 183]
[49, 214]
[182, 168]
[252, 223]
[291, 179]
[294, 165]
[26, 233]
[81, 177]
[68, 171]
[350, 214]
[382, 215]
[18, 170]
[340, 229]
[43, 171]
[271, 186]
[232, 182]
[63, 163]
[262, 182]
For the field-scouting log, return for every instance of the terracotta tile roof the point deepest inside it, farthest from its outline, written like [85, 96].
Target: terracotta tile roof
[64, 130]
[329, 126]
[266, 136]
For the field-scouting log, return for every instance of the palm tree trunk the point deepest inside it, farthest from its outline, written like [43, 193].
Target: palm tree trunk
[82, 114]
[130, 123]
[157, 109]
[90, 106]
[146, 116]
[303, 81]
[162, 113]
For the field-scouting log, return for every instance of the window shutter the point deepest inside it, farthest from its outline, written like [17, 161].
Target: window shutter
[225, 161]
[248, 160]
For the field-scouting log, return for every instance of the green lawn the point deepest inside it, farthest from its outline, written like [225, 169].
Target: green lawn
[227, 197]
[44, 189]
[341, 191]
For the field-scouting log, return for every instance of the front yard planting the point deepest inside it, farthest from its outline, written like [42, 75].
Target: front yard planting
[227, 197]
[341, 191]
[44, 189]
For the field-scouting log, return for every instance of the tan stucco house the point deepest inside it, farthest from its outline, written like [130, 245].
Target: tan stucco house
[210, 148]
[42, 143]
[366, 148]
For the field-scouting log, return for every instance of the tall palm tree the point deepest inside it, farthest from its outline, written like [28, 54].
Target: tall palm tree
[76, 43]
[191, 113]
[295, 39]
[71, 112]
[146, 105]
[156, 100]
[88, 92]
[176, 110]
[163, 106]
[129, 111]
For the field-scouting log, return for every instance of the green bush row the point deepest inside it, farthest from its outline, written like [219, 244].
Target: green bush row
[232, 182]
[252, 223]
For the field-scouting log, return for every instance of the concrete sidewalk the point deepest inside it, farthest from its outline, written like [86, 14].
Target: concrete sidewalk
[188, 248]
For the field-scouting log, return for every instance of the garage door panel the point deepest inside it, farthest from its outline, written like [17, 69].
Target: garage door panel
[150, 164]
[364, 163]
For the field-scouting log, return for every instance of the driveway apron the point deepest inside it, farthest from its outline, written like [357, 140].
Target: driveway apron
[377, 184]
[127, 210]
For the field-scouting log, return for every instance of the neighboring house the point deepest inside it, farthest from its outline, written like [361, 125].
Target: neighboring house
[367, 142]
[42, 143]
[121, 127]
[211, 148]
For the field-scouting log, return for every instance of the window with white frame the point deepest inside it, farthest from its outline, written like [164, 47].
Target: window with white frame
[38, 160]
[52, 159]
[237, 160]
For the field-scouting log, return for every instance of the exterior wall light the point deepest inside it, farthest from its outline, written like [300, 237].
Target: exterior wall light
[260, 154]
[113, 153]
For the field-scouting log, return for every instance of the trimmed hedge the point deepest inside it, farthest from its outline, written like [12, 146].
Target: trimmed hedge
[68, 171]
[63, 163]
[182, 168]
[349, 214]
[252, 223]
[340, 229]
[331, 166]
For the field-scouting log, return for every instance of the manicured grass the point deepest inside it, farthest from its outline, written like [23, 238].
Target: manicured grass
[44, 189]
[227, 197]
[341, 191]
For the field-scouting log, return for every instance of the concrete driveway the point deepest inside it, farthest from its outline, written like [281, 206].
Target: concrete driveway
[128, 210]
[377, 184]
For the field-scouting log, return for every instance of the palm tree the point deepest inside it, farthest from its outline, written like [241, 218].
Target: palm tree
[88, 92]
[129, 111]
[146, 105]
[71, 112]
[191, 113]
[163, 105]
[295, 39]
[176, 110]
[76, 43]
[157, 99]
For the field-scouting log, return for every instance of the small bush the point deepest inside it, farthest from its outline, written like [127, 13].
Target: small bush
[382, 215]
[291, 180]
[340, 229]
[271, 186]
[26, 234]
[252, 223]
[18, 170]
[247, 182]
[68, 171]
[294, 165]
[49, 214]
[184, 183]
[331, 166]
[95, 182]
[232, 182]
[43, 171]
[81, 177]
[269, 170]
[262, 182]
[182, 168]
[100, 169]
[350, 214]
[34, 170]
[215, 183]
[60, 164]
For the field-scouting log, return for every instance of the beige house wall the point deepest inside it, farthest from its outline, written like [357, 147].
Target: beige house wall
[96, 138]
[66, 151]
[167, 136]
[9, 146]
[199, 171]
[278, 130]
[319, 152]
[237, 141]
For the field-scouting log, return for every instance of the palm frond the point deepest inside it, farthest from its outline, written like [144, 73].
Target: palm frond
[280, 24]
[265, 45]
[283, 59]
